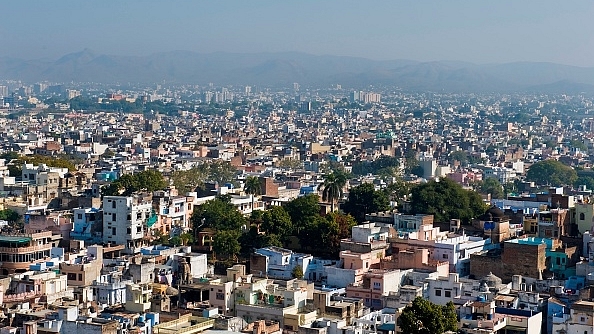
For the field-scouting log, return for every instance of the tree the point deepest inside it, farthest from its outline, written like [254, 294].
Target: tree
[302, 208]
[226, 243]
[445, 199]
[126, 185]
[364, 199]
[333, 185]
[460, 156]
[252, 187]
[492, 186]
[9, 215]
[221, 172]
[297, 272]
[425, 317]
[412, 165]
[188, 180]
[186, 238]
[588, 181]
[277, 221]
[342, 225]
[292, 164]
[217, 214]
[175, 241]
[398, 190]
[252, 240]
[315, 232]
[551, 173]
[108, 154]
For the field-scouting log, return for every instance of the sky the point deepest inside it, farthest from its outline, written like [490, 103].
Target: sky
[479, 31]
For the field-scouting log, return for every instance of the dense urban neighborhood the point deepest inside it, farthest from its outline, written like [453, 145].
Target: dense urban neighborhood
[187, 209]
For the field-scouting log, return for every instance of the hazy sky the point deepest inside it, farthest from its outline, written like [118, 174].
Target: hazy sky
[478, 31]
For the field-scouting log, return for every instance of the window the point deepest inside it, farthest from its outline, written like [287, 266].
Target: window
[582, 216]
[71, 277]
[128, 231]
[80, 277]
[445, 256]
[113, 204]
[448, 293]
[220, 296]
[113, 216]
[377, 286]
[80, 216]
[438, 292]
[113, 231]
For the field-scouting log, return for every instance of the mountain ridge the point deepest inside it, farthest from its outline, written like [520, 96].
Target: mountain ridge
[284, 68]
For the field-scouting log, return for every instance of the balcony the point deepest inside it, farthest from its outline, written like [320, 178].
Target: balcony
[23, 250]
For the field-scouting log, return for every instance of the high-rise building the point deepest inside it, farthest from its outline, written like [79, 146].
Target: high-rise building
[3, 91]
[72, 93]
[39, 87]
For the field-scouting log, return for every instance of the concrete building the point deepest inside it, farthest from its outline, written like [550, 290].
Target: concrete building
[376, 284]
[124, 221]
[17, 252]
[83, 270]
[276, 262]
[579, 320]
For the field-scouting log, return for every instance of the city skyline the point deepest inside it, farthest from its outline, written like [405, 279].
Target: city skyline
[480, 33]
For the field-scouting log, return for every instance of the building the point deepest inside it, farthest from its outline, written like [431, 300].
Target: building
[18, 251]
[125, 221]
[276, 262]
[376, 284]
[579, 320]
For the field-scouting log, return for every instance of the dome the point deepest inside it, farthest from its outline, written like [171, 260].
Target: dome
[491, 280]
[493, 214]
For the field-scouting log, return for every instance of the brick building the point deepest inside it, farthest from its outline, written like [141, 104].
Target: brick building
[505, 264]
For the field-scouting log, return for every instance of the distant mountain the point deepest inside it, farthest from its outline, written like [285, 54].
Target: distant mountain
[271, 69]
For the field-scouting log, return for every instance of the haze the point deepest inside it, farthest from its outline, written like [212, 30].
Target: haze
[475, 31]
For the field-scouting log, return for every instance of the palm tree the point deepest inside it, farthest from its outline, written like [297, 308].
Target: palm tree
[333, 185]
[186, 238]
[252, 187]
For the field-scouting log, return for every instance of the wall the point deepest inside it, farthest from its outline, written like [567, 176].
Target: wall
[530, 264]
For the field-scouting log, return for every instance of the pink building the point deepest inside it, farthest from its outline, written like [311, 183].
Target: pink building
[375, 284]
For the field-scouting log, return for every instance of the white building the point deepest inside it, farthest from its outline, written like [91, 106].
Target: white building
[580, 320]
[124, 221]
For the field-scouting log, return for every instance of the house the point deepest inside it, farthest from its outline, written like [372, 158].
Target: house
[276, 262]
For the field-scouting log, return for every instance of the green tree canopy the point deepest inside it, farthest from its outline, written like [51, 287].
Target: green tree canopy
[297, 272]
[460, 156]
[302, 208]
[217, 171]
[588, 181]
[217, 214]
[398, 190]
[383, 165]
[425, 317]
[225, 243]
[491, 186]
[551, 173]
[340, 228]
[445, 199]
[126, 185]
[252, 240]
[9, 215]
[276, 220]
[364, 199]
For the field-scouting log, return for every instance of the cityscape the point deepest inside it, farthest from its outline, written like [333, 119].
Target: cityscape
[293, 192]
